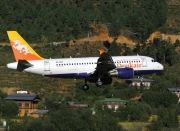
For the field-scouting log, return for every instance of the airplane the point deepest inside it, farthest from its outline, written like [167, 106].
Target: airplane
[99, 70]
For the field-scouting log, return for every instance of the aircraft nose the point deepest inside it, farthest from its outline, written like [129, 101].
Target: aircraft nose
[160, 66]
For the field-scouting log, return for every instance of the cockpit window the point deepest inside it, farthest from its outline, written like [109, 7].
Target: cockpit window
[152, 60]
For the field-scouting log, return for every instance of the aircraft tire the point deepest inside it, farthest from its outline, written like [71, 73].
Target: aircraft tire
[85, 87]
[99, 83]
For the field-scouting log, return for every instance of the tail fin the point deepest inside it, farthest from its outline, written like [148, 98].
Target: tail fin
[21, 49]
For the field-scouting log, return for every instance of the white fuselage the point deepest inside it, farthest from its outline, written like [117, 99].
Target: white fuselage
[81, 67]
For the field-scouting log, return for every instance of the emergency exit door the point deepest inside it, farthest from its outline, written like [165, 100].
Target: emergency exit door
[46, 66]
[144, 62]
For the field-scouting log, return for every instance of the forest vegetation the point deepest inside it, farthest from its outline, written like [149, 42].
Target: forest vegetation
[45, 21]
[59, 20]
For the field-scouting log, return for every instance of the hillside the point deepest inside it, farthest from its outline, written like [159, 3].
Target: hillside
[172, 25]
[169, 31]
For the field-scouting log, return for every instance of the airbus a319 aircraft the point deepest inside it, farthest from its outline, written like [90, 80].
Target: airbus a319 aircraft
[98, 70]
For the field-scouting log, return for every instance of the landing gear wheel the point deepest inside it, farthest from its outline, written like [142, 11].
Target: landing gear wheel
[85, 87]
[99, 83]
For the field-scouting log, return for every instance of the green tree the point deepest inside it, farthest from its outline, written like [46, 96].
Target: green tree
[115, 49]
[159, 99]
[108, 123]
[52, 102]
[157, 125]
[15, 126]
[134, 111]
[67, 119]
[9, 108]
[169, 117]
[35, 125]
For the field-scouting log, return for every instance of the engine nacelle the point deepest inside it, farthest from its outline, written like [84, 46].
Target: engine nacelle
[122, 73]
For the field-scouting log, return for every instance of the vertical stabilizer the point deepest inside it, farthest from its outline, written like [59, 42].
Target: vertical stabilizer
[21, 49]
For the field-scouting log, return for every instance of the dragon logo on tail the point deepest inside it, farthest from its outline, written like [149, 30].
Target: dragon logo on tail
[21, 48]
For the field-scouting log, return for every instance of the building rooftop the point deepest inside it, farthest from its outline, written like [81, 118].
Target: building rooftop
[174, 89]
[40, 112]
[112, 100]
[23, 97]
[139, 80]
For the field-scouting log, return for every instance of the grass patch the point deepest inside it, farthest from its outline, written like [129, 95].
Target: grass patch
[134, 126]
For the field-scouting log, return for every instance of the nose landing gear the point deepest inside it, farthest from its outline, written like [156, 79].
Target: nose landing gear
[85, 87]
[98, 84]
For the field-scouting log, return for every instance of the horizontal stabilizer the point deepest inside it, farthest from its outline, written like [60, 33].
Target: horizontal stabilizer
[23, 64]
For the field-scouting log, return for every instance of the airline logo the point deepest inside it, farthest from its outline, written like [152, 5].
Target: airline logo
[135, 63]
[130, 65]
[20, 47]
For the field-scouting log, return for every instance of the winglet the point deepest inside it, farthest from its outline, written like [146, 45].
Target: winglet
[101, 51]
[21, 49]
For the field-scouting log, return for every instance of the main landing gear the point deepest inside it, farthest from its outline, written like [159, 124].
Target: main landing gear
[98, 84]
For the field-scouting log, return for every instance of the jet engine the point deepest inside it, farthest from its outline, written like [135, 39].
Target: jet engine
[122, 73]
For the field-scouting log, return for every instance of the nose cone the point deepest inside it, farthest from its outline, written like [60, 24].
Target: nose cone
[12, 65]
[160, 66]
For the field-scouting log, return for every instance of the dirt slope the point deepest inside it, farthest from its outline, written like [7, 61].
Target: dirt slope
[102, 34]
[172, 38]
